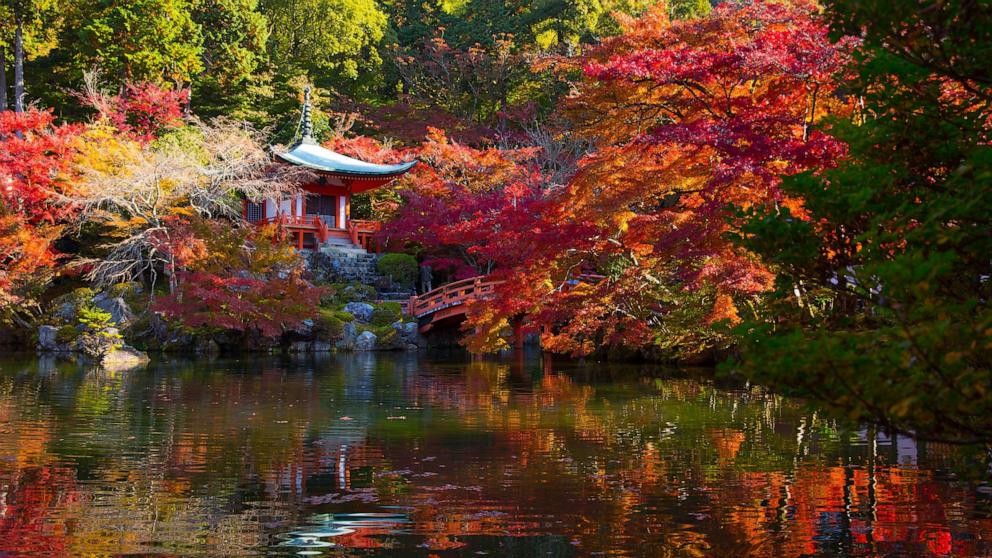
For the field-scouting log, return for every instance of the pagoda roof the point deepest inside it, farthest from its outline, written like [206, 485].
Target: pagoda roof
[308, 153]
[312, 156]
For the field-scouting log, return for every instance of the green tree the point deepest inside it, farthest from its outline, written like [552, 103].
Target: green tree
[140, 40]
[882, 308]
[688, 9]
[234, 40]
[27, 31]
[334, 42]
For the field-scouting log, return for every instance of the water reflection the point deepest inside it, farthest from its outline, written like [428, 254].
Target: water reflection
[398, 455]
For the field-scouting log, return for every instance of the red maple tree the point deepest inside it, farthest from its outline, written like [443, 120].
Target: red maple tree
[687, 118]
[35, 198]
[236, 279]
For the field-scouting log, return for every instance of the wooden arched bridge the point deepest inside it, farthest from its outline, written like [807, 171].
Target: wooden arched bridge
[446, 305]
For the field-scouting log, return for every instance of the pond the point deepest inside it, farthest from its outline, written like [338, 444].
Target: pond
[409, 455]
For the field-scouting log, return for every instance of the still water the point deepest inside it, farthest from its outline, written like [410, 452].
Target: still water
[404, 455]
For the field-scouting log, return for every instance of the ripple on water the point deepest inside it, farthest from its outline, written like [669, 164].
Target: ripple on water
[401, 455]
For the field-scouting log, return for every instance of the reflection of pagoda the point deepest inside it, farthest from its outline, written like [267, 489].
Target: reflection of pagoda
[321, 215]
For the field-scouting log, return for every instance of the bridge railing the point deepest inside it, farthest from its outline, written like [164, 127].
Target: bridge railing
[452, 294]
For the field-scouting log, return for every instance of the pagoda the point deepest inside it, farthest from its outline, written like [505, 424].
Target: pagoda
[321, 215]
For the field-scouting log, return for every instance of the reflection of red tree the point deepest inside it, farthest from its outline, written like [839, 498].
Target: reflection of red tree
[791, 511]
[885, 511]
[31, 509]
[727, 442]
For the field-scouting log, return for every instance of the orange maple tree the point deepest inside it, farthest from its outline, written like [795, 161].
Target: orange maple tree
[687, 118]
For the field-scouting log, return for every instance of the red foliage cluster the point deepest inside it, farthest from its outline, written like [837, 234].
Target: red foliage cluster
[144, 111]
[35, 185]
[690, 117]
[686, 119]
[268, 305]
[35, 159]
[236, 279]
[469, 209]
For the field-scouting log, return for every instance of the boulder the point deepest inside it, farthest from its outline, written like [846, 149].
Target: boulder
[409, 334]
[360, 310]
[67, 311]
[299, 347]
[406, 330]
[178, 342]
[123, 358]
[96, 344]
[48, 338]
[206, 346]
[305, 328]
[119, 311]
[349, 334]
[366, 341]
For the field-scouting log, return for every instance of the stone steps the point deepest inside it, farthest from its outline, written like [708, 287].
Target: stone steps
[345, 262]
[352, 263]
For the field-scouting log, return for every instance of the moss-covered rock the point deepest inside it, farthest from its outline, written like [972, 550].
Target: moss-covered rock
[340, 294]
[67, 334]
[386, 313]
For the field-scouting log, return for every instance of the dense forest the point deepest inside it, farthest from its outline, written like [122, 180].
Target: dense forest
[798, 191]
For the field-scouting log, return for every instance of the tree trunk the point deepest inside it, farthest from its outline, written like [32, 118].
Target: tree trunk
[18, 63]
[3, 79]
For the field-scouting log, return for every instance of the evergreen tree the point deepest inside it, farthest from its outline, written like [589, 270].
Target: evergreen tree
[234, 39]
[688, 9]
[334, 42]
[882, 307]
[140, 40]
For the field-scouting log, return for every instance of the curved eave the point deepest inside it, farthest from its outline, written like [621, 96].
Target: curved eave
[317, 158]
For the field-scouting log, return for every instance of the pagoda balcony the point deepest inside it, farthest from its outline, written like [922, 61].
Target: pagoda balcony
[310, 230]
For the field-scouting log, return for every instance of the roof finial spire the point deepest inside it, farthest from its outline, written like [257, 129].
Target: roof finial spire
[306, 124]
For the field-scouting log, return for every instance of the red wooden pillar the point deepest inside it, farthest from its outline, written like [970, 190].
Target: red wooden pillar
[299, 239]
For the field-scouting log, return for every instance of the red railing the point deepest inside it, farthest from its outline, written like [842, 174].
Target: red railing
[297, 221]
[452, 294]
[301, 223]
[363, 233]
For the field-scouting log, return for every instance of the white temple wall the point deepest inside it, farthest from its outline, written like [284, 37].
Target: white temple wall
[284, 207]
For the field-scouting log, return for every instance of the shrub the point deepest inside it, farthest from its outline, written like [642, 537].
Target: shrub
[94, 319]
[342, 293]
[120, 289]
[384, 334]
[80, 296]
[67, 334]
[77, 298]
[329, 324]
[386, 313]
[401, 268]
